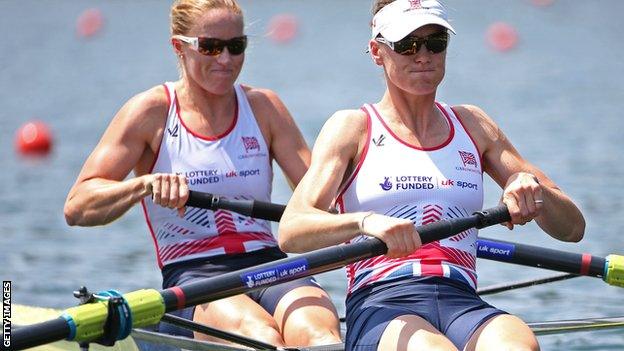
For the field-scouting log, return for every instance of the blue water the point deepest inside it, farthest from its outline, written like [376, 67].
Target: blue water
[558, 96]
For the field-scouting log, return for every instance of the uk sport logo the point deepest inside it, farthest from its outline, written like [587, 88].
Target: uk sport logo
[251, 143]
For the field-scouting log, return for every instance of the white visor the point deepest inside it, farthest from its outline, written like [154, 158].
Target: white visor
[398, 19]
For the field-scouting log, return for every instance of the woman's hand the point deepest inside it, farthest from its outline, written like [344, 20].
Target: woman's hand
[168, 190]
[523, 197]
[399, 235]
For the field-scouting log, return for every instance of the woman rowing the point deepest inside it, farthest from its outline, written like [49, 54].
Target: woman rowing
[409, 160]
[209, 134]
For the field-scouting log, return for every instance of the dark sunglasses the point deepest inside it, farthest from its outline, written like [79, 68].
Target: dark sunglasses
[214, 46]
[436, 43]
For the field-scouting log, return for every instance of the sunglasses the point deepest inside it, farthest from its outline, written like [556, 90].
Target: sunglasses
[436, 43]
[214, 46]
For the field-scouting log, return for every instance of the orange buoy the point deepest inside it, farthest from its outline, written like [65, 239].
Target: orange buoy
[89, 23]
[283, 28]
[33, 138]
[502, 36]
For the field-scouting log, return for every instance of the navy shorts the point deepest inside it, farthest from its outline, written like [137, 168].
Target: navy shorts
[452, 307]
[186, 272]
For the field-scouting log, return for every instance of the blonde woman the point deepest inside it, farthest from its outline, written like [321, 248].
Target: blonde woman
[205, 132]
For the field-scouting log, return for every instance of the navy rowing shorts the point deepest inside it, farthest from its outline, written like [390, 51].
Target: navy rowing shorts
[186, 272]
[452, 307]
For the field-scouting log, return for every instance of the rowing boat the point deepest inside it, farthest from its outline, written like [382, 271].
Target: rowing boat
[144, 340]
[85, 323]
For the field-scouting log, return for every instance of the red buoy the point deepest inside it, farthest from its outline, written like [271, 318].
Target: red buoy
[283, 28]
[89, 23]
[502, 36]
[33, 138]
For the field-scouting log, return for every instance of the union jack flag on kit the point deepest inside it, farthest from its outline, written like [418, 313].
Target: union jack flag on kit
[468, 158]
[251, 143]
[415, 4]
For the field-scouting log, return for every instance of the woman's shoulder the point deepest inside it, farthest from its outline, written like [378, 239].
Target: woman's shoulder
[262, 98]
[148, 103]
[146, 110]
[476, 120]
[346, 125]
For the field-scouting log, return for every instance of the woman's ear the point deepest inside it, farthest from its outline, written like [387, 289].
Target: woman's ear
[373, 48]
[177, 47]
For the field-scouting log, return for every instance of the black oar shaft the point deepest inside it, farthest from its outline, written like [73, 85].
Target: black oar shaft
[495, 289]
[527, 255]
[314, 262]
[39, 334]
[221, 334]
[252, 208]
[279, 271]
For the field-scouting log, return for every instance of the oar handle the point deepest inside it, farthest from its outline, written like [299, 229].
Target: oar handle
[251, 208]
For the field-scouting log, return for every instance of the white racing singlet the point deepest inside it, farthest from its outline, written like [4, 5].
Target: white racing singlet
[235, 164]
[423, 185]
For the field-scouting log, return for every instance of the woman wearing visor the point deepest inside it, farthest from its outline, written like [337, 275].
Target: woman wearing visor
[207, 133]
[410, 160]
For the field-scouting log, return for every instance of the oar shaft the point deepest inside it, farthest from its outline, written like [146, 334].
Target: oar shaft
[39, 334]
[287, 269]
[252, 208]
[527, 255]
[314, 262]
[150, 305]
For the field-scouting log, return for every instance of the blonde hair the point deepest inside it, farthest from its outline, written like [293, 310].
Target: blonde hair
[184, 13]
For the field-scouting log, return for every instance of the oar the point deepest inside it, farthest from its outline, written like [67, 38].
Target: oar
[610, 269]
[85, 323]
[495, 289]
[252, 208]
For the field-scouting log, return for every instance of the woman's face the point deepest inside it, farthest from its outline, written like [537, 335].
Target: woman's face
[215, 74]
[419, 73]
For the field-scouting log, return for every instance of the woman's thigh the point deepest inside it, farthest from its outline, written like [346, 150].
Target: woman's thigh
[240, 315]
[503, 332]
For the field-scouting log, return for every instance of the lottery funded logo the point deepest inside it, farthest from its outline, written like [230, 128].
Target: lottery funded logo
[408, 182]
[201, 176]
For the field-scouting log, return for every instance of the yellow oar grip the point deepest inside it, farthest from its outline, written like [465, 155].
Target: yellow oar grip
[147, 308]
[614, 270]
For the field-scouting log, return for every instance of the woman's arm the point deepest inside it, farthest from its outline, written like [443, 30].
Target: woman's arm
[306, 225]
[522, 182]
[100, 194]
[286, 143]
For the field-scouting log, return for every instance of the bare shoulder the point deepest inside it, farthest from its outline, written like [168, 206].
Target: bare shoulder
[479, 124]
[345, 129]
[351, 122]
[145, 108]
[265, 102]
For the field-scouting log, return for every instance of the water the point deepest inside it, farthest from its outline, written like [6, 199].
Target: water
[557, 96]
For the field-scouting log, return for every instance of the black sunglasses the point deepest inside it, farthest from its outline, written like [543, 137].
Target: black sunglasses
[214, 46]
[436, 43]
